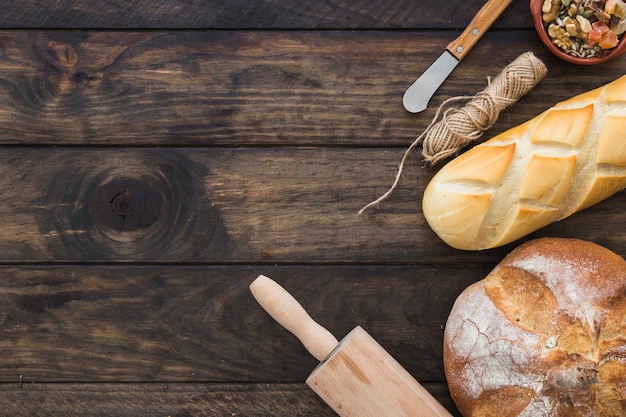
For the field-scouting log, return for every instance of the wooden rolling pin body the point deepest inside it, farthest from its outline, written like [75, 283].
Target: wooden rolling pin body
[357, 377]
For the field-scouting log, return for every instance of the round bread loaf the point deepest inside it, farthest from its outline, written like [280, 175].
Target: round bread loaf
[543, 335]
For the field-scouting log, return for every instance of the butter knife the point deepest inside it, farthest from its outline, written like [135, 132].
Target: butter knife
[418, 95]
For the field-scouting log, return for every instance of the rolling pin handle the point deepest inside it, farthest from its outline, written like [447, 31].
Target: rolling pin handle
[286, 310]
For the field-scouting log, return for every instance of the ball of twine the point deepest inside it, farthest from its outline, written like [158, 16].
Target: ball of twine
[460, 126]
[453, 129]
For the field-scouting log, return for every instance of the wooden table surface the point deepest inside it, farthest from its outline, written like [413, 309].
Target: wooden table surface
[157, 155]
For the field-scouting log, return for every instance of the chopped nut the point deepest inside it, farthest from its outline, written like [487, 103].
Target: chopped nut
[572, 10]
[585, 24]
[585, 28]
[547, 5]
[571, 25]
[602, 16]
[559, 36]
[575, 28]
[550, 10]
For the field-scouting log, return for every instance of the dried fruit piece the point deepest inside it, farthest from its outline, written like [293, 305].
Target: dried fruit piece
[609, 40]
[603, 36]
[597, 29]
[593, 26]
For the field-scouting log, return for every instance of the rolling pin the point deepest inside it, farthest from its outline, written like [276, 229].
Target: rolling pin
[356, 377]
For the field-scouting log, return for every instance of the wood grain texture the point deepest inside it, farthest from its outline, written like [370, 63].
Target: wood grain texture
[232, 88]
[80, 323]
[164, 399]
[242, 14]
[360, 378]
[173, 400]
[157, 155]
[243, 205]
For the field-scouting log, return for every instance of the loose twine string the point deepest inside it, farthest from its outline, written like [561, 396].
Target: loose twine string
[453, 129]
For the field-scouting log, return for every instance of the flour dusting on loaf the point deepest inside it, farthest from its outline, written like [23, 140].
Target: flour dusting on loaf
[560, 162]
[543, 335]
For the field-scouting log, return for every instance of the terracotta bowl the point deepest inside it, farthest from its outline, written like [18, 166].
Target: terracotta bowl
[535, 9]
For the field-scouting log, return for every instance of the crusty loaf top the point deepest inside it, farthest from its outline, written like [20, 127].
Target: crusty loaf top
[543, 335]
[562, 161]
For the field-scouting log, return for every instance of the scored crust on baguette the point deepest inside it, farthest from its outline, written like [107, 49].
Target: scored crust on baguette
[543, 335]
[566, 159]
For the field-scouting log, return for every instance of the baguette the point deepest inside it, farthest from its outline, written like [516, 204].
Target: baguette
[566, 159]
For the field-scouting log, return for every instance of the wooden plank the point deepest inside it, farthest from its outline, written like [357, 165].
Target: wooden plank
[265, 14]
[231, 88]
[173, 400]
[201, 324]
[243, 205]
[168, 400]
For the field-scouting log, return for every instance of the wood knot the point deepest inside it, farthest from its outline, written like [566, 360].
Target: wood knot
[62, 54]
[127, 204]
[131, 205]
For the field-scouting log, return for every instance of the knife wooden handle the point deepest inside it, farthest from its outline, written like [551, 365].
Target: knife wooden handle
[477, 27]
[291, 315]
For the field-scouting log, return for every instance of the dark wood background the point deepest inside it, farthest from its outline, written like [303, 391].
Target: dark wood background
[157, 155]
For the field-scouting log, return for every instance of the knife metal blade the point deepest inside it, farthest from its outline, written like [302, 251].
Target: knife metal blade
[418, 95]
